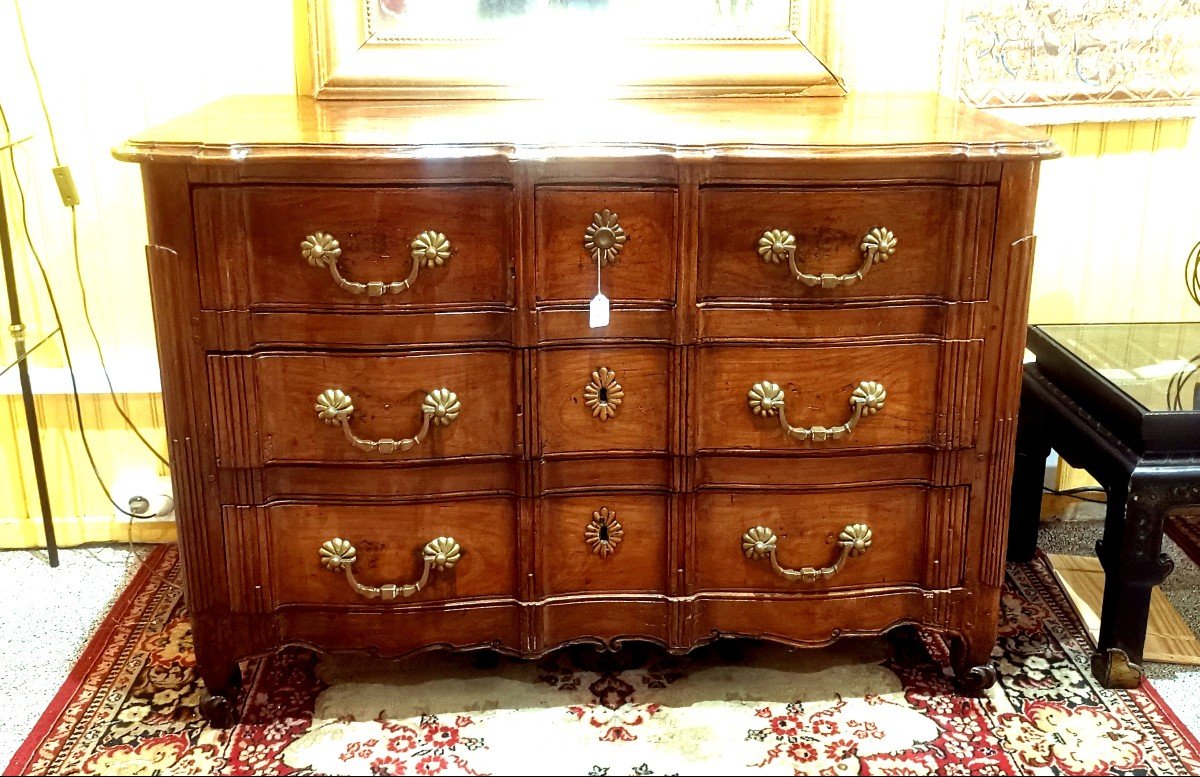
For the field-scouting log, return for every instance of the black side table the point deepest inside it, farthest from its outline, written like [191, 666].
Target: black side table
[1120, 401]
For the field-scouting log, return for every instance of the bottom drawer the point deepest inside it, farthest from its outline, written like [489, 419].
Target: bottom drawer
[603, 543]
[819, 540]
[312, 545]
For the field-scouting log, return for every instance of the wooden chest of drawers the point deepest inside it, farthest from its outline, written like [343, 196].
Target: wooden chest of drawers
[392, 427]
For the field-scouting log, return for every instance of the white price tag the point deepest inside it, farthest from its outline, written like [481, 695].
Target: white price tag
[598, 312]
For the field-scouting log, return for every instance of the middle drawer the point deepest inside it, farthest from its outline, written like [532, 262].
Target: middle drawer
[606, 399]
[821, 397]
[348, 408]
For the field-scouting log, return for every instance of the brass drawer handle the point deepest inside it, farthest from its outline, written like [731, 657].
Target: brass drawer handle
[429, 249]
[766, 399]
[440, 408]
[760, 542]
[877, 246]
[338, 555]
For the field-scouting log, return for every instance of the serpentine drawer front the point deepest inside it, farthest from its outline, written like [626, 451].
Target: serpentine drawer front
[393, 427]
[359, 248]
[604, 543]
[419, 407]
[468, 545]
[604, 399]
[846, 538]
[845, 243]
[819, 398]
[629, 234]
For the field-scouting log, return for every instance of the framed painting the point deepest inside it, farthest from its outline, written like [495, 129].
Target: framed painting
[1084, 60]
[438, 49]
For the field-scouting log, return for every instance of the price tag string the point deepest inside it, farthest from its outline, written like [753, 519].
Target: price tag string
[598, 309]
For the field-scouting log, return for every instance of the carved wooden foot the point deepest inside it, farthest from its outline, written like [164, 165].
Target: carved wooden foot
[219, 710]
[1113, 669]
[223, 680]
[974, 671]
[974, 680]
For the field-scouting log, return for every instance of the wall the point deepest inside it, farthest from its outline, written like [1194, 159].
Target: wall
[106, 77]
[1115, 216]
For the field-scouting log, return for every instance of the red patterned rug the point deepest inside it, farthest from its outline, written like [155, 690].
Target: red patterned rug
[1185, 530]
[859, 707]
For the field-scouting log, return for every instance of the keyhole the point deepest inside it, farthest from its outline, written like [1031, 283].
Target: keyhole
[604, 395]
[604, 532]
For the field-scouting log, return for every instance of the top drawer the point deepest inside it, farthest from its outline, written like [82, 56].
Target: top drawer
[845, 243]
[628, 236]
[418, 247]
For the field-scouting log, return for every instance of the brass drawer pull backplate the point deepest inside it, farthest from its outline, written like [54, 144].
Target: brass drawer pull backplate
[854, 540]
[439, 408]
[766, 399]
[338, 555]
[877, 246]
[429, 249]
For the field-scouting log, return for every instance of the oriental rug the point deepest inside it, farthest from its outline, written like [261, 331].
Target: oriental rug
[867, 706]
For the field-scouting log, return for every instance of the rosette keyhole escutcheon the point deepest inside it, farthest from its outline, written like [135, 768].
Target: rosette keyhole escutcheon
[604, 238]
[603, 394]
[604, 532]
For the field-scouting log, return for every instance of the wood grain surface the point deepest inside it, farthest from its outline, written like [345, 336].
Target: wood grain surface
[250, 334]
[639, 424]
[389, 540]
[941, 232]
[807, 525]
[638, 563]
[387, 392]
[250, 245]
[817, 383]
[644, 270]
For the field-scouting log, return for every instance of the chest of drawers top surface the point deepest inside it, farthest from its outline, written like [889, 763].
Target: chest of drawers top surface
[862, 124]
[377, 368]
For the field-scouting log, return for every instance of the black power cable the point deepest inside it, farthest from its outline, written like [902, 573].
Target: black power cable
[1191, 274]
[1078, 493]
[58, 322]
[87, 316]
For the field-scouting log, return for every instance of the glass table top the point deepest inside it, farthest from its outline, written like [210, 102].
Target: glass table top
[1156, 365]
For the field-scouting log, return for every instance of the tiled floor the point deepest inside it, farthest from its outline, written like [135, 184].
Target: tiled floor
[47, 615]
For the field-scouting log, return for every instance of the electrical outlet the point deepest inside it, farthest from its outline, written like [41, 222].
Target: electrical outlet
[146, 495]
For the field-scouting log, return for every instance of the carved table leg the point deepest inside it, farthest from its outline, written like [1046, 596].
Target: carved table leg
[1029, 474]
[1133, 564]
[219, 705]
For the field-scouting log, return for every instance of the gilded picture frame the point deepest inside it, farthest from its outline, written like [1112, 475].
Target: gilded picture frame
[342, 53]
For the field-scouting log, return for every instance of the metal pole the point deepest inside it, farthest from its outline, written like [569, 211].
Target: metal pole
[17, 330]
